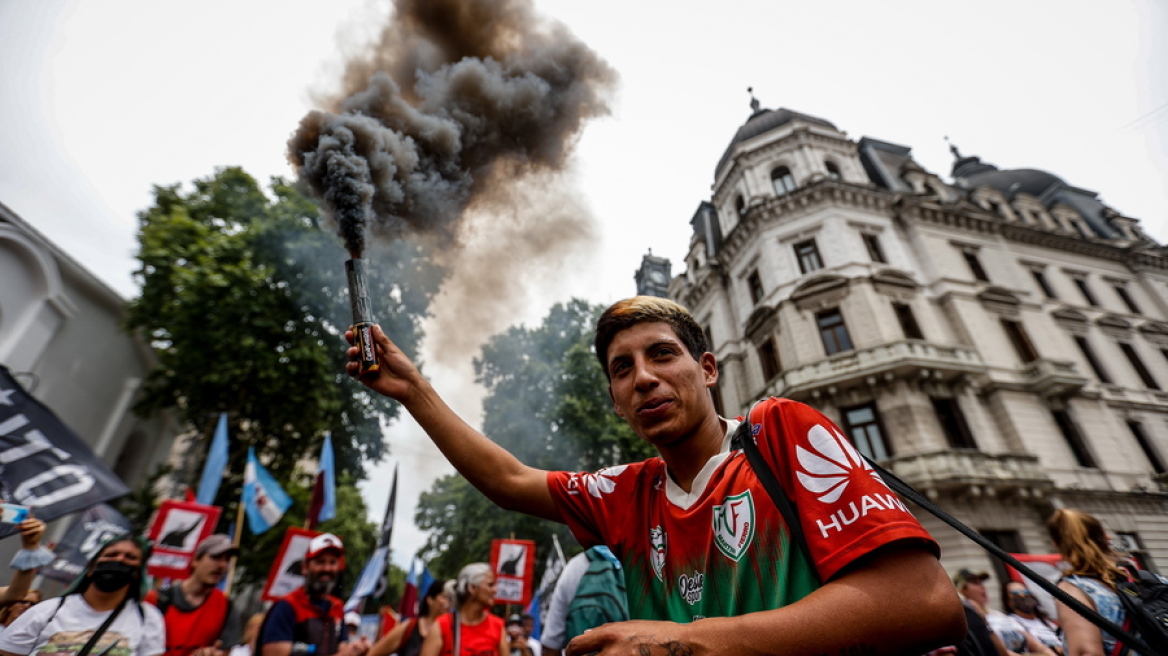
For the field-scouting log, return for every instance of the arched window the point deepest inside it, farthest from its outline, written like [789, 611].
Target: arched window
[833, 171]
[783, 181]
[740, 207]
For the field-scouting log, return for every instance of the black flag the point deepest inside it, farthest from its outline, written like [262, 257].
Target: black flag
[43, 464]
[387, 523]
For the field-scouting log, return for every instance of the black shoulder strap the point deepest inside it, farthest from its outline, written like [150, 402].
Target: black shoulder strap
[743, 439]
[102, 629]
[907, 491]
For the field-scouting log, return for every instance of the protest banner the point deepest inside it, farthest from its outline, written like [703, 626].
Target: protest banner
[513, 562]
[287, 571]
[177, 529]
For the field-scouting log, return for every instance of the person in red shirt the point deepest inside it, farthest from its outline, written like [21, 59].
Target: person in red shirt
[199, 617]
[471, 630]
[710, 563]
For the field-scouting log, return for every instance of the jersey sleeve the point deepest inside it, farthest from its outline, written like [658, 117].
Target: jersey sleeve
[591, 503]
[846, 511]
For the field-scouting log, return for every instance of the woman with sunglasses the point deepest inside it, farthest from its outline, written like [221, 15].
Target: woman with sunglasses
[1025, 609]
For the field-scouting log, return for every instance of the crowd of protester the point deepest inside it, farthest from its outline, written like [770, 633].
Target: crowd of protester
[110, 610]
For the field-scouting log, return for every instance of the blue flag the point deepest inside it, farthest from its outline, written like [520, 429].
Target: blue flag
[533, 611]
[216, 464]
[263, 498]
[323, 504]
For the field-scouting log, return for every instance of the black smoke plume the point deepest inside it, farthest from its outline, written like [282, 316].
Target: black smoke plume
[458, 104]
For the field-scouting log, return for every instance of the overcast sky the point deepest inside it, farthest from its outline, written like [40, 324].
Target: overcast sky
[101, 100]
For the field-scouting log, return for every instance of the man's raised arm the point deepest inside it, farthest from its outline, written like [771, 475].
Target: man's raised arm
[489, 467]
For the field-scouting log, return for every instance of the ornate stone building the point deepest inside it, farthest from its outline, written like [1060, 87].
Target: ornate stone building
[999, 340]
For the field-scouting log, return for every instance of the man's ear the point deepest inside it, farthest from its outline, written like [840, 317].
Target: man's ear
[709, 368]
[615, 407]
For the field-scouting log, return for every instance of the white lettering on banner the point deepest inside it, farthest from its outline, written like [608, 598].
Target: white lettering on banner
[98, 533]
[847, 516]
[35, 441]
[27, 493]
[509, 590]
[169, 560]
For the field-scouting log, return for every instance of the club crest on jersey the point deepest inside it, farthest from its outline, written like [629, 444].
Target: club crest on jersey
[734, 525]
[829, 465]
[657, 551]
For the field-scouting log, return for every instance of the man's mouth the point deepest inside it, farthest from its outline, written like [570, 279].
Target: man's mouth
[653, 406]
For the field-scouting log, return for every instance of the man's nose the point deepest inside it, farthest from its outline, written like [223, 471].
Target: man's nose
[643, 374]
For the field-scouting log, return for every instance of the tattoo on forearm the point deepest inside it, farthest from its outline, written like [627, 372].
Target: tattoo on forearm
[645, 647]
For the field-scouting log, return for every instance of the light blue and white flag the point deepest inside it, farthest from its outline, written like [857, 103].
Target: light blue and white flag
[367, 583]
[263, 498]
[215, 465]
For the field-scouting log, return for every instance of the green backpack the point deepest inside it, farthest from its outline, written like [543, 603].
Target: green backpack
[600, 597]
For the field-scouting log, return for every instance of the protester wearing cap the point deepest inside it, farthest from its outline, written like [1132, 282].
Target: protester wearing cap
[199, 618]
[310, 620]
[978, 639]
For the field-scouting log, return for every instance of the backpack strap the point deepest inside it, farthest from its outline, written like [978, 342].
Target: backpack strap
[743, 439]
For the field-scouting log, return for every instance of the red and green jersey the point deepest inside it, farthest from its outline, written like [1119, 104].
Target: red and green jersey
[723, 549]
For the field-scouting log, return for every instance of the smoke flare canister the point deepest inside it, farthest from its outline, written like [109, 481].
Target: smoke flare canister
[362, 315]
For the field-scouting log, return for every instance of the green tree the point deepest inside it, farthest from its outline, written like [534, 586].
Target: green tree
[547, 402]
[244, 299]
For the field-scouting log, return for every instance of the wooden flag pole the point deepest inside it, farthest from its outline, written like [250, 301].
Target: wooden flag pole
[238, 535]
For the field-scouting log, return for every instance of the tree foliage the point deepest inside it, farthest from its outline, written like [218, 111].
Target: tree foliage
[547, 402]
[245, 300]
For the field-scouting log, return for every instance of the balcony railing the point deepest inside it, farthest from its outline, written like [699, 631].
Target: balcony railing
[878, 365]
[973, 473]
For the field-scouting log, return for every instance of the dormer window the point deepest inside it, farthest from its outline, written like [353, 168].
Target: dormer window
[740, 207]
[833, 171]
[783, 181]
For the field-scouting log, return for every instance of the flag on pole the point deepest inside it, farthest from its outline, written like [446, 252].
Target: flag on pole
[424, 582]
[534, 611]
[263, 498]
[408, 607]
[552, 568]
[215, 465]
[323, 505]
[375, 568]
[387, 523]
[367, 583]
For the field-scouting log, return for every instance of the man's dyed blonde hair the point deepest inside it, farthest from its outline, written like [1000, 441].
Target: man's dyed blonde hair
[641, 309]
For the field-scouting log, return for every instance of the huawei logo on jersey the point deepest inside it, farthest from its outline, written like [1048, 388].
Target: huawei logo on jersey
[602, 481]
[826, 468]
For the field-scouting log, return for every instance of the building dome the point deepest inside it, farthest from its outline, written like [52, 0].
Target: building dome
[763, 121]
[1014, 181]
